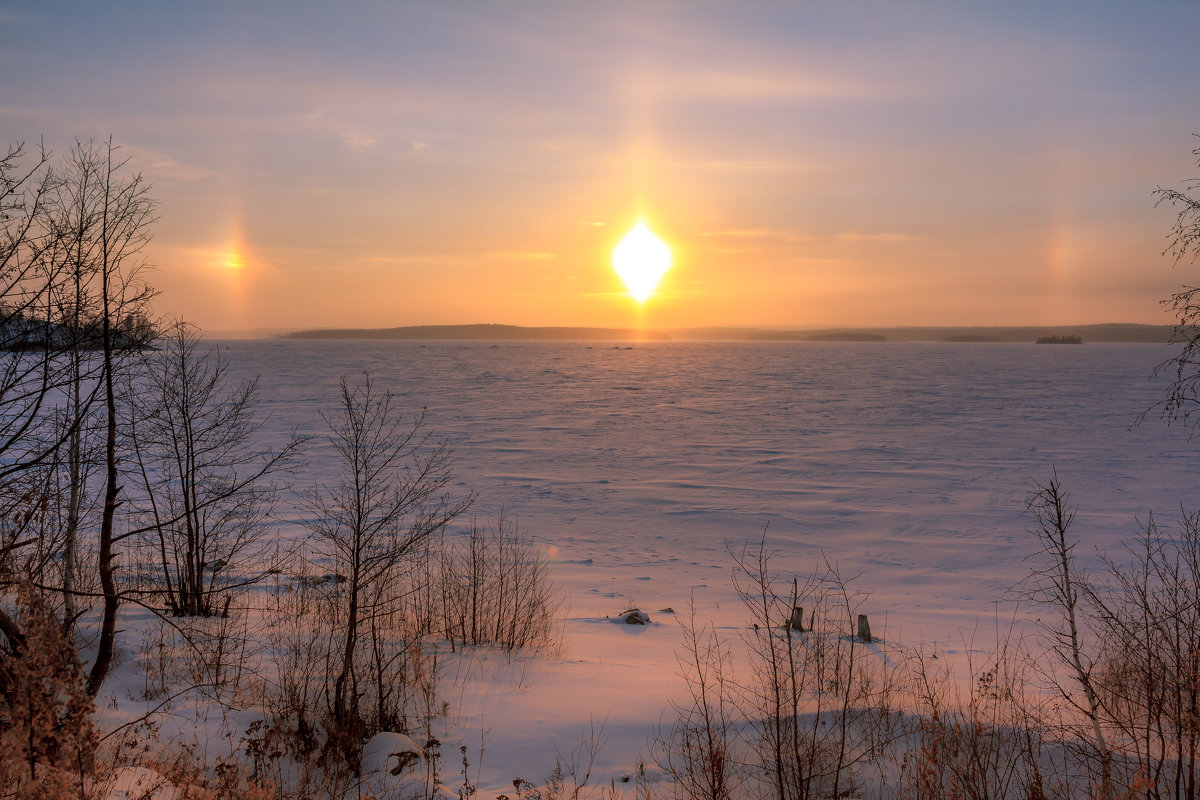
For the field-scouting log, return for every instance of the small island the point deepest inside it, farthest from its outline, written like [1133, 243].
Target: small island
[1060, 340]
[848, 336]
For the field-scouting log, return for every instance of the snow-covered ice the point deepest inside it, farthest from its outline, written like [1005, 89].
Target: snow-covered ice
[907, 464]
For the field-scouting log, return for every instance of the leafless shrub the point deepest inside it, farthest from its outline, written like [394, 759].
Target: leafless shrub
[495, 589]
[572, 774]
[139, 766]
[298, 644]
[699, 749]
[1148, 677]
[1128, 638]
[47, 740]
[810, 713]
[206, 487]
[818, 700]
[158, 661]
[982, 744]
[221, 655]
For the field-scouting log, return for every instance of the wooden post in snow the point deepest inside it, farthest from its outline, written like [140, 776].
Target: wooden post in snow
[864, 628]
[796, 623]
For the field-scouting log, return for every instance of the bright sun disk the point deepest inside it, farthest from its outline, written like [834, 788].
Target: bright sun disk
[641, 259]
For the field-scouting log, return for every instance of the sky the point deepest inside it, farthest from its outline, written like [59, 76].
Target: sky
[375, 164]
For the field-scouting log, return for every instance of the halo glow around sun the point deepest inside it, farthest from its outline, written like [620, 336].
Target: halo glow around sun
[641, 259]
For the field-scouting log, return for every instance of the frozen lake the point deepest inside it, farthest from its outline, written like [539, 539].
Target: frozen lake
[906, 462]
[636, 467]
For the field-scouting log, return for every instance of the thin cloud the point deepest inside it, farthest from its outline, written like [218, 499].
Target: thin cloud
[844, 237]
[521, 256]
[772, 167]
[747, 85]
[329, 121]
[749, 233]
[357, 142]
[886, 238]
[161, 165]
[410, 258]
[17, 112]
[825, 261]
[762, 234]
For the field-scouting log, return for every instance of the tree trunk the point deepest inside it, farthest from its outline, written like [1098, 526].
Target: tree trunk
[73, 503]
[108, 586]
[108, 626]
[341, 710]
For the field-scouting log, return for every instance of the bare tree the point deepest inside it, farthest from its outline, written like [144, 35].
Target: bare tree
[44, 711]
[1057, 583]
[30, 374]
[389, 498]
[1149, 675]
[76, 207]
[1182, 403]
[206, 486]
[1185, 233]
[119, 231]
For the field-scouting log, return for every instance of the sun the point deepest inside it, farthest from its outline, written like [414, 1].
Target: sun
[641, 259]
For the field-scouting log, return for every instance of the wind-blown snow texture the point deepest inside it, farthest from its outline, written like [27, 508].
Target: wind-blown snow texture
[634, 465]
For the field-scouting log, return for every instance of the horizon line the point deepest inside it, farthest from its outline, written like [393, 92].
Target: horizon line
[1097, 332]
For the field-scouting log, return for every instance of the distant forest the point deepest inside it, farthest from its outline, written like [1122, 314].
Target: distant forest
[1109, 332]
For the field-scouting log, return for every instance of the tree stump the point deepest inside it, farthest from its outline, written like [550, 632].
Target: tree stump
[796, 623]
[864, 628]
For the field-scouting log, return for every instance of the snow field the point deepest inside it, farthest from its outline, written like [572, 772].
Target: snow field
[905, 464]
